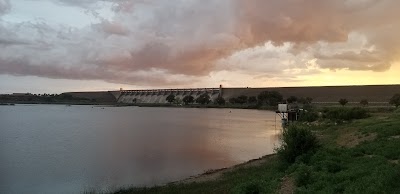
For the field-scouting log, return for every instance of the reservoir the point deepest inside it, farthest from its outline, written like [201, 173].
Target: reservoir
[73, 149]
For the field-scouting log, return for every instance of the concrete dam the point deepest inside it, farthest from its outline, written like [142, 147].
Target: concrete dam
[160, 95]
[320, 94]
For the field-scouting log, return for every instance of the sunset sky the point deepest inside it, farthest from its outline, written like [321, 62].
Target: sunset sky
[56, 46]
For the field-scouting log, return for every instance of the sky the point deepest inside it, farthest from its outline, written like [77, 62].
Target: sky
[54, 46]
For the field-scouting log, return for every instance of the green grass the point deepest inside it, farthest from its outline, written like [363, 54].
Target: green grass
[369, 167]
[264, 178]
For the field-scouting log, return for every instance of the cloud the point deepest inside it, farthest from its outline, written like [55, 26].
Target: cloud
[187, 40]
[5, 7]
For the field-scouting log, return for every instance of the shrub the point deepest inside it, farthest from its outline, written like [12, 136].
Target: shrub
[395, 100]
[203, 99]
[252, 187]
[364, 102]
[271, 98]
[188, 99]
[296, 141]
[309, 116]
[303, 175]
[220, 100]
[252, 99]
[346, 114]
[292, 99]
[170, 98]
[241, 99]
[343, 101]
[232, 100]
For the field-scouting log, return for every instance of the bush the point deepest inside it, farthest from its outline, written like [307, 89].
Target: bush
[241, 99]
[252, 99]
[309, 116]
[395, 100]
[203, 99]
[296, 141]
[291, 99]
[271, 98]
[188, 99]
[303, 175]
[343, 101]
[170, 98]
[254, 186]
[364, 102]
[346, 114]
[220, 100]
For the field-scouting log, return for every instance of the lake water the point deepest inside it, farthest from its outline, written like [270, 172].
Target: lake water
[72, 149]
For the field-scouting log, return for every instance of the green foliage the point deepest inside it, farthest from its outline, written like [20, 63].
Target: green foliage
[292, 99]
[220, 100]
[305, 101]
[395, 100]
[364, 102]
[232, 100]
[271, 98]
[170, 98]
[252, 99]
[188, 99]
[264, 178]
[340, 114]
[340, 170]
[252, 187]
[343, 101]
[303, 175]
[308, 116]
[296, 141]
[203, 99]
[178, 101]
[241, 99]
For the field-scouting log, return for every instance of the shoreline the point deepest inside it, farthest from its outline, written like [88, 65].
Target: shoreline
[214, 174]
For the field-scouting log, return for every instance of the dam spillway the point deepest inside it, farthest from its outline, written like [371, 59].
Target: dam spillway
[160, 95]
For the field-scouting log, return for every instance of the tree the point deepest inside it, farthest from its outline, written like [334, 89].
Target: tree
[170, 98]
[178, 100]
[252, 100]
[241, 99]
[203, 99]
[395, 100]
[343, 101]
[364, 102]
[188, 99]
[292, 99]
[220, 100]
[272, 98]
[305, 101]
[232, 100]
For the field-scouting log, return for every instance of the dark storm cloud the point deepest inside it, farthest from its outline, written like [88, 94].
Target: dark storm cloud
[185, 39]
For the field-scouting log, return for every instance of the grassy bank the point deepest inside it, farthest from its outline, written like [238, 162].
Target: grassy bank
[353, 156]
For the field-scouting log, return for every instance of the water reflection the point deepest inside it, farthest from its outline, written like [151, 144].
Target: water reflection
[47, 148]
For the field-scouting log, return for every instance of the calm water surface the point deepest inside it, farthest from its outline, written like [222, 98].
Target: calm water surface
[72, 149]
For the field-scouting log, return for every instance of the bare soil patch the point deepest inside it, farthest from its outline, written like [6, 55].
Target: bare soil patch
[351, 137]
[287, 186]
